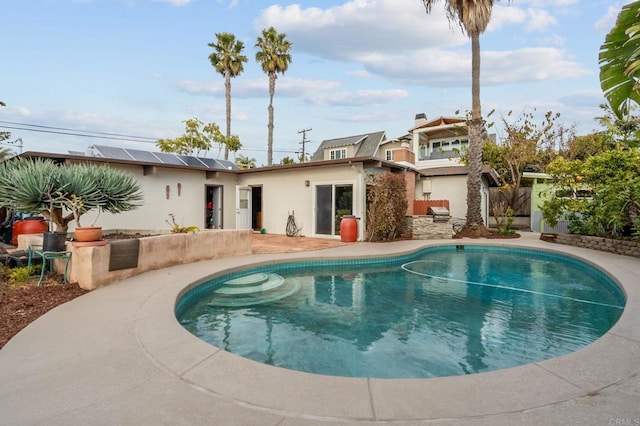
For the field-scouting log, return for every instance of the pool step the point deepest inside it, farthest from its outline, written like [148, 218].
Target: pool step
[254, 283]
[254, 289]
[248, 280]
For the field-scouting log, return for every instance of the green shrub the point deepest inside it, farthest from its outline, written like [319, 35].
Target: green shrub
[20, 275]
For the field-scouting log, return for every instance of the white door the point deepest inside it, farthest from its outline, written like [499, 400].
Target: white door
[243, 208]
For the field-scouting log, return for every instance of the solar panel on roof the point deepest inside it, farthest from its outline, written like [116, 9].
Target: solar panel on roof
[226, 164]
[191, 161]
[210, 162]
[146, 156]
[167, 158]
[112, 152]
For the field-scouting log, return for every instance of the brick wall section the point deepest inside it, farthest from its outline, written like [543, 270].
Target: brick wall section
[423, 228]
[627, 248]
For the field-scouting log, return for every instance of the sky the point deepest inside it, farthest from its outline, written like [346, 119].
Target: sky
[124, 68]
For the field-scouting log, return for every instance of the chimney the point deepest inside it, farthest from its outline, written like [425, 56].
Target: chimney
[421, 119]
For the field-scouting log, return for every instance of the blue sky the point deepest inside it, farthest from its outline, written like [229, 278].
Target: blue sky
[141, 67]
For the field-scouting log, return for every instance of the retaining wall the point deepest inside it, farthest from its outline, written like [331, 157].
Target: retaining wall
[90, 265]
[627, 248]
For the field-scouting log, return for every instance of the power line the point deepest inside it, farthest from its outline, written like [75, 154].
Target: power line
[84, 135]
[76, 132]
[101, 135]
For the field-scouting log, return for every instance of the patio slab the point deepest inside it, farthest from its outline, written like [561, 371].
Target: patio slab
[118, 356]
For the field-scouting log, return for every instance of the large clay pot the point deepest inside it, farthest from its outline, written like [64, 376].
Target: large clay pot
[87, 233]
[30, 225]
[348, 229]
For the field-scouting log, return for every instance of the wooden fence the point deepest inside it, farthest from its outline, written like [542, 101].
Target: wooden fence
[522, 205]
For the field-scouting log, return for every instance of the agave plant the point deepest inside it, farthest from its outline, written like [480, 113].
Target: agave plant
[64, 193]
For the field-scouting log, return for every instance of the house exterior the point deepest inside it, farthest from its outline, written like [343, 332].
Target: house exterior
[215, 194]
[220, 196]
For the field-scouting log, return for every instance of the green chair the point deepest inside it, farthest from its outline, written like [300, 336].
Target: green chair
[48, 256]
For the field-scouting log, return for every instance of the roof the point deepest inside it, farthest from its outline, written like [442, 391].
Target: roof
[115, 153]
[77, 156]
[442, 121]
[366, 145]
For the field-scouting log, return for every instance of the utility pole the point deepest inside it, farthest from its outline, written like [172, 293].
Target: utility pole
[304, 142]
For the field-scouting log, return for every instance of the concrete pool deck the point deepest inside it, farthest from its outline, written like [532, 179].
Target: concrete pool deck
[117, 355]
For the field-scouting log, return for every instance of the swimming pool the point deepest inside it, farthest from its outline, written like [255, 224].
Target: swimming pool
[443, 311]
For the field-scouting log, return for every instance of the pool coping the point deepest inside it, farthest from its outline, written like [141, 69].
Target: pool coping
[118, 355]
[292, 393]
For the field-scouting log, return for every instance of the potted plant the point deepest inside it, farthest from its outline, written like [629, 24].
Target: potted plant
[63, 193]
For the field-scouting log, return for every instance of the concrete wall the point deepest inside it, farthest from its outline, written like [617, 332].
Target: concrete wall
[89, 265]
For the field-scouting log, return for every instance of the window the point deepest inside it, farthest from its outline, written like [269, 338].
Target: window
[422, 154]
[389, 155]
[337, 154]
[447, 148]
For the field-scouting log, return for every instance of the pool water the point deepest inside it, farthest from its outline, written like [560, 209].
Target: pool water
[444, 311]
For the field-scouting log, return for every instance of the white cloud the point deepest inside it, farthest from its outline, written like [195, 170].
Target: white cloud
[529, 64]
[539, 20]
[453, 68]
[360, 26]
[533, 19]
[608, 20]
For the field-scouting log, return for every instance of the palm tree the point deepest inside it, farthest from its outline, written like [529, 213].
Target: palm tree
[274, 58]
[620, 62]
[227, 60]
[244, 162]
[473, 18]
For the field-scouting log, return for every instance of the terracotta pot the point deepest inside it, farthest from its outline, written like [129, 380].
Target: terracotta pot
[87, 233]
[348, 229]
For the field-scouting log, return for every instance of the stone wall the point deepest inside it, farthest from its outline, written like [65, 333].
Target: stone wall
[627, 248]
[423, 228]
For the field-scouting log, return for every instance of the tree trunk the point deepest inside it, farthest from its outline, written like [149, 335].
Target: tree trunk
[227, 93]
[475, 222]
[272, 90]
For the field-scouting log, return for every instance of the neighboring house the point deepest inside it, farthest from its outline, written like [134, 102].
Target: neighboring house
[542, 190]
[432, 148]
[365, 145]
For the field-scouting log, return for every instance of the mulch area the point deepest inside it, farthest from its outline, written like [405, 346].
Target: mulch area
[21, 306]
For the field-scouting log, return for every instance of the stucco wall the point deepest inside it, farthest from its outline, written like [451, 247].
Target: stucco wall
[452, 188]
[284, 191]
[89, 265]
[188, 204]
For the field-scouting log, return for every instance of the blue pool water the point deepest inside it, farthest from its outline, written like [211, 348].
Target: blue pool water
[443, 311]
